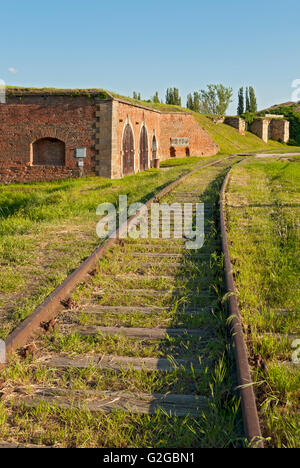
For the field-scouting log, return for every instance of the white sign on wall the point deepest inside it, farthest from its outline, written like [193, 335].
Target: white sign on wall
[80, 153]
[179, 141]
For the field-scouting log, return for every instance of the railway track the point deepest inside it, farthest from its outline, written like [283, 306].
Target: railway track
[143, 340]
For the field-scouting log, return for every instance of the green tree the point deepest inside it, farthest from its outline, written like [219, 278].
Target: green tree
[215, 100]
[173, 97]
[196, 101]
[135, 96]
[190, 102]
[247, 100]
[241, 104]
[208, 100]
[168, 96]
[156, 98]
[252, 100]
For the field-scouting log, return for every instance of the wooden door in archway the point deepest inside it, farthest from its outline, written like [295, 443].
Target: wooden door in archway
[128, 151]
[154, 150]
[143, 149]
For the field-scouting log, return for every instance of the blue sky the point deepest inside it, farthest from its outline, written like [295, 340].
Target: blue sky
[148, 46]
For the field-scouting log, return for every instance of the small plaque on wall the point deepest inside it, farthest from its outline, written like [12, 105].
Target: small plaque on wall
[80, 153]
[179, 141]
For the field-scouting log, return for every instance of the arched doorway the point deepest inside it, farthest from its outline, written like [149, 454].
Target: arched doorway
[143, 149]
[128, 151]
[48, 152]
[154, 150]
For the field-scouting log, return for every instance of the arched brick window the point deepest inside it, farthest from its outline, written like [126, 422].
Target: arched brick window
[48, 152]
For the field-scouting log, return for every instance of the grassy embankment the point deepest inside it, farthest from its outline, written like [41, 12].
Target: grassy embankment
[263, 220]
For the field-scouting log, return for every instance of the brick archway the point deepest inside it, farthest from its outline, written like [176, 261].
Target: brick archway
[48, 152]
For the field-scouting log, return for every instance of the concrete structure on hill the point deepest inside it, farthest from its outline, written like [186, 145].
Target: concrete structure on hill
[270, 127]
[237, 122]
[54, 134]
[275, 128]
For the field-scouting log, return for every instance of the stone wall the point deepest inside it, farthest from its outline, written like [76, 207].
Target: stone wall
[279, 129]
[236, 122]
[260, 127]
[103, 146]
[273, 129]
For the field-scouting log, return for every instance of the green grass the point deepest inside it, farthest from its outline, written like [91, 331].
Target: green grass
[95, 92]
[179, 162]
[263, 197]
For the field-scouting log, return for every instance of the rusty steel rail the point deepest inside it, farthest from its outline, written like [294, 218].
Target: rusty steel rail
[50, 307]
[245, 383]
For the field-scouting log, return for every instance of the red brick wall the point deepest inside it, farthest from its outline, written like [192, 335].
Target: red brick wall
[184, 126]
[136, 116]
[165, 127]
[75, 122]
[71, 120]
[21, 173]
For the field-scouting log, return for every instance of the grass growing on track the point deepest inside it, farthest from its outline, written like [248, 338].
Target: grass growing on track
[264, 232]
[47, 229]
[50, 425]
[217, 427]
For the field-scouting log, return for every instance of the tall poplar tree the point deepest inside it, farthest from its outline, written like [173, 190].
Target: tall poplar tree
[241, 104]
[247, 100]
[252, 99]
[156, 98]
[190, 102]
[172, 97]
[196, 101]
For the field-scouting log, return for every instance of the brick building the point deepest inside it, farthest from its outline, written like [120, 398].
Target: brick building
[53, 134]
